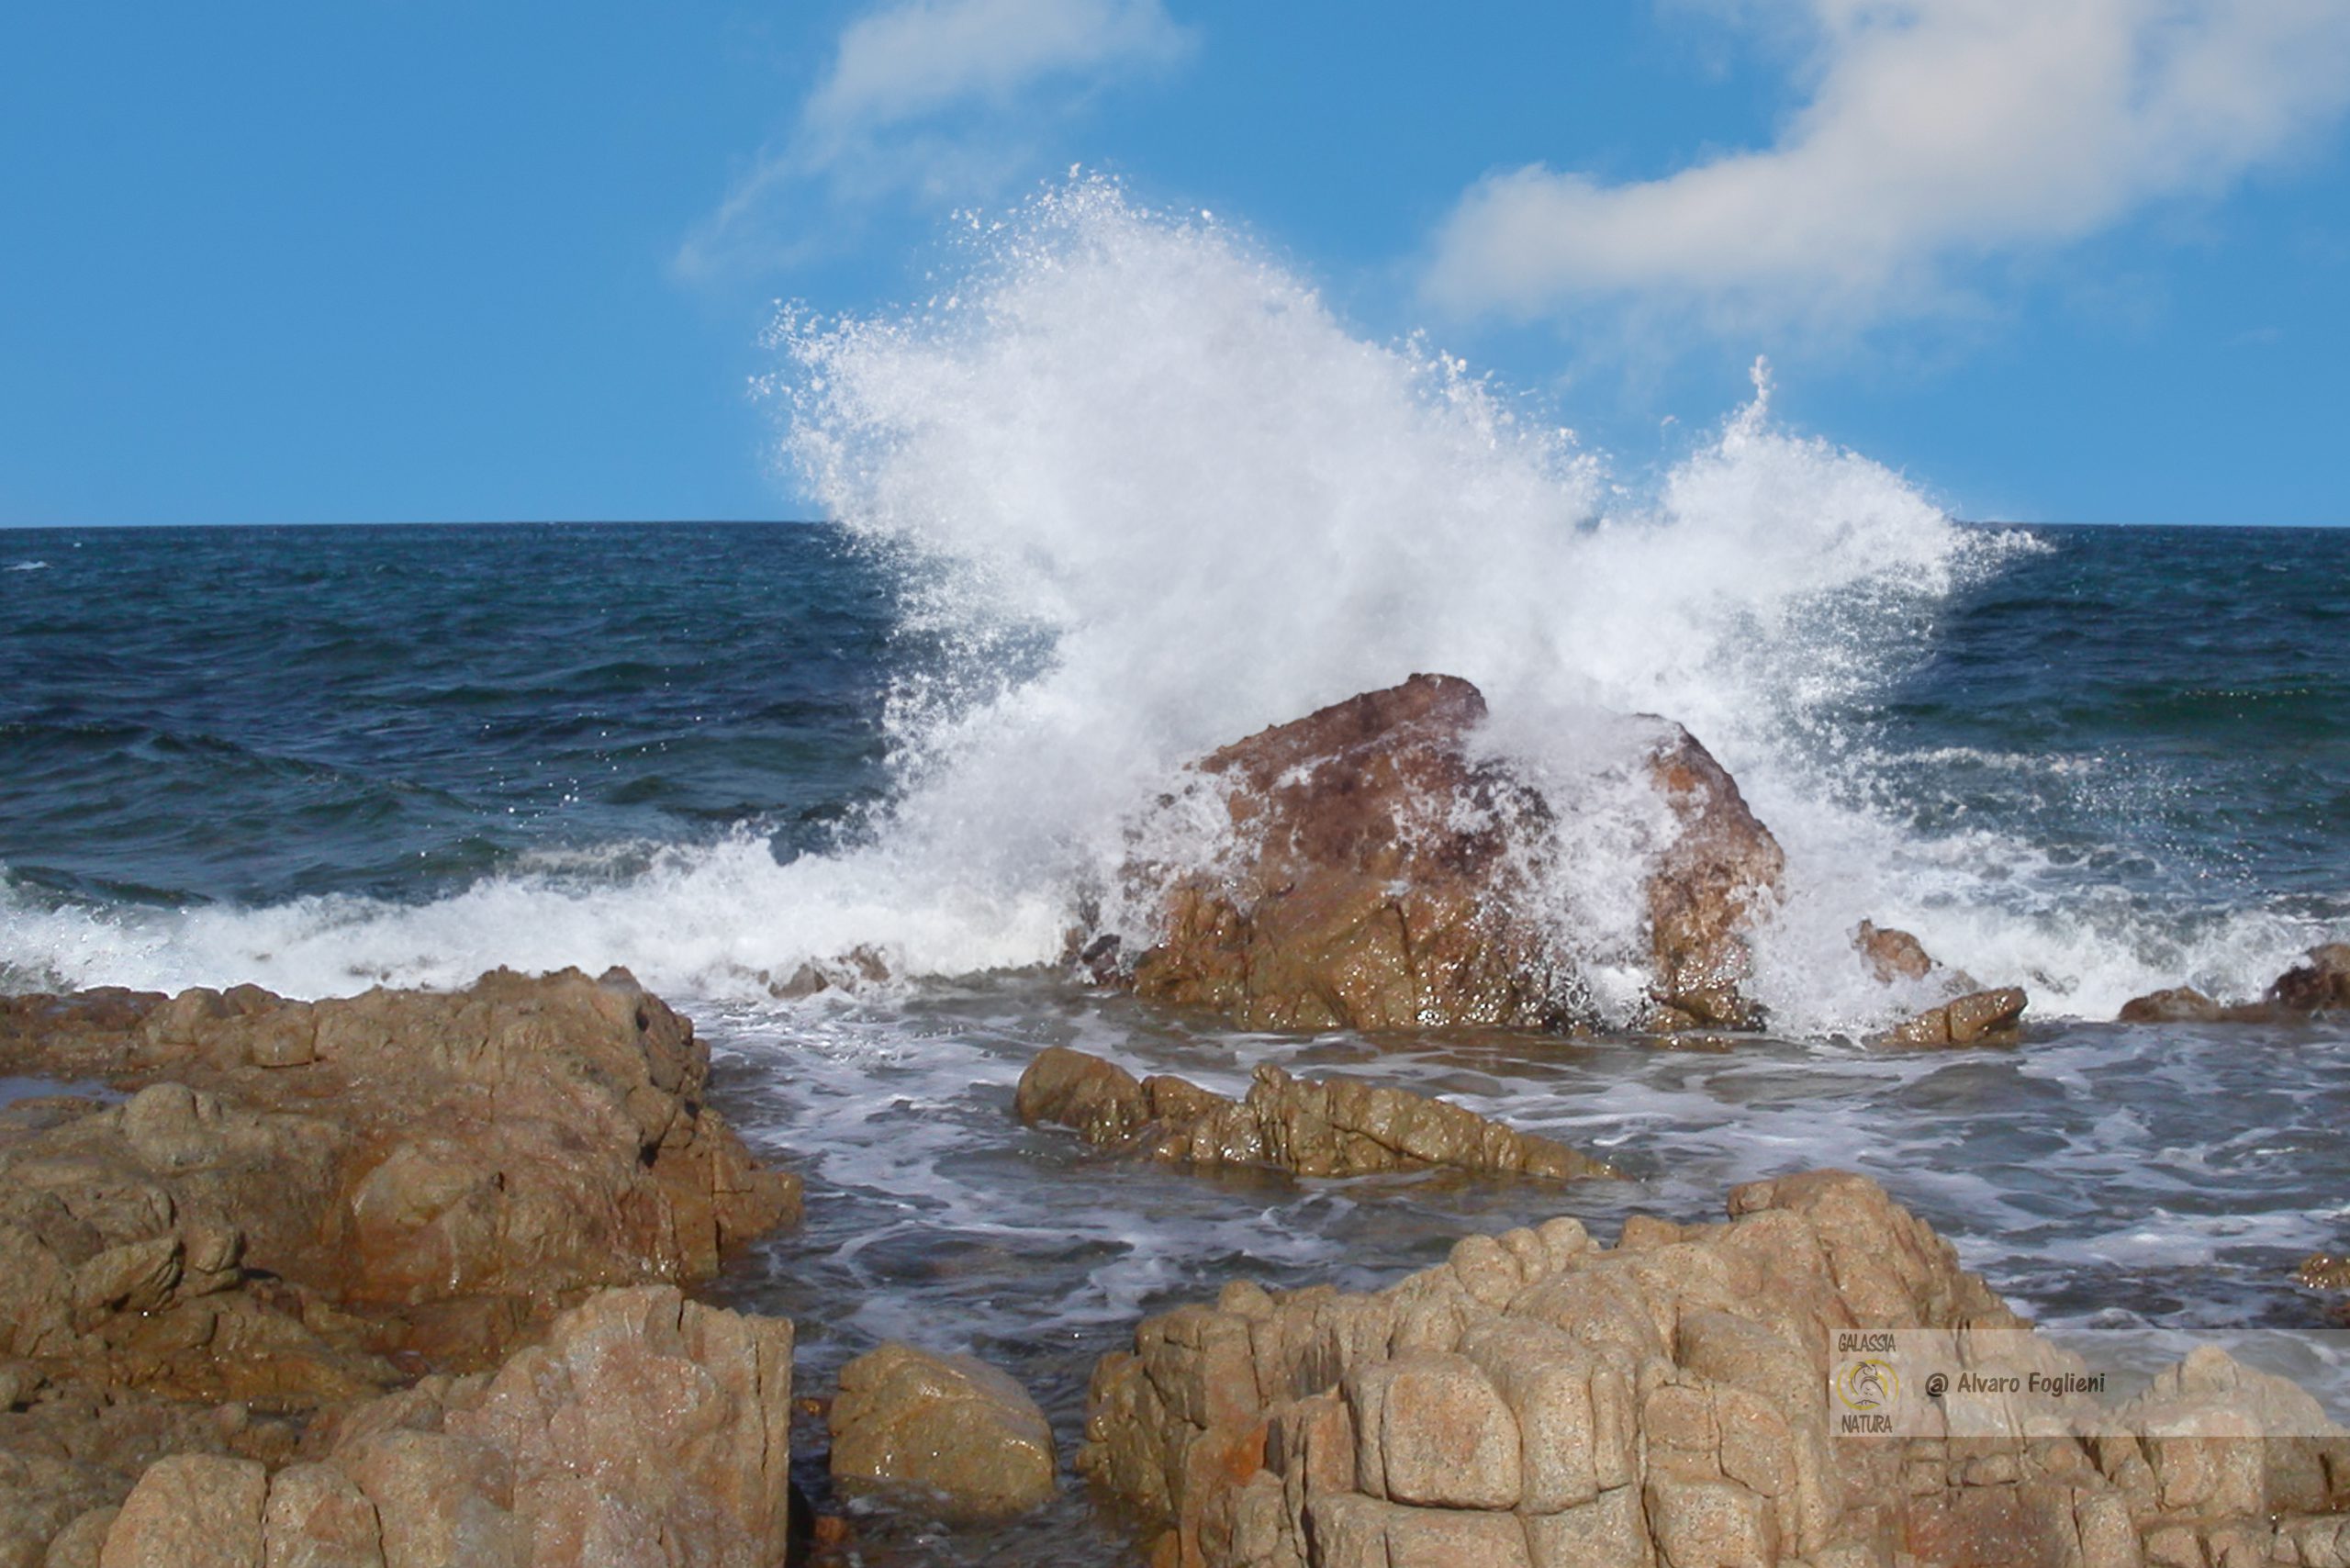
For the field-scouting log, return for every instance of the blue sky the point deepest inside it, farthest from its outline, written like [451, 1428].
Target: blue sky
[2055, 259]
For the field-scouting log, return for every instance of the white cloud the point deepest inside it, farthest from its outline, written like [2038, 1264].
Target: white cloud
[878, 122]
[1937, 132]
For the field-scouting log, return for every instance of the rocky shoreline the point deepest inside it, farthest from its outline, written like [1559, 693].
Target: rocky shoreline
[402, 1280]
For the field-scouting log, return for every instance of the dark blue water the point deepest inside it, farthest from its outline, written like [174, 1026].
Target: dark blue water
[326, 758]
[252, 714]
[248, 715]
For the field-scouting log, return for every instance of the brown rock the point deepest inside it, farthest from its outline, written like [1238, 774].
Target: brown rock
[1537, 1399]
[1376, 881]
[2179, 1005]
[191, 1510]
[2324, 1271]
[1983, 1017]
[944, 1432]
[506, 1146]
[1892, 954]
[1719, 875]
[2321, 984]
[1335, 1128]
[1070, 1089]
[318, 1518]
[645, 1432]
[298, 1193]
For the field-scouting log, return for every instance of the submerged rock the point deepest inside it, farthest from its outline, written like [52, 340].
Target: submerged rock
[1376, 880]
[1979, 1018]
[941, 1432]
[1541, 1401]
[1335, 1128]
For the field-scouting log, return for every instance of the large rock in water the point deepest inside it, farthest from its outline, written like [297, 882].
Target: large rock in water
[1540, 1402]
[1376, 881]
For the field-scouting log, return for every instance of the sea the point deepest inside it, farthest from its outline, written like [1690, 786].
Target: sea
[1125, 489]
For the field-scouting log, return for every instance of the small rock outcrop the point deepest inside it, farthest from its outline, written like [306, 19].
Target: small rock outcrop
[646, 1431]
[1978, 1018]
[1375, 881]
[944, 1433]
[2176, 1005]
[2321, 983]
[1892, 954]
[1333, 1127]
[1540, 1402]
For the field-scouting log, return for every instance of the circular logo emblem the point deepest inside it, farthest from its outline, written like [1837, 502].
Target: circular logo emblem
[1867, 1386]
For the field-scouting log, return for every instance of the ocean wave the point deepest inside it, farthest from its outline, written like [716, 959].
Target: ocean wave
[1140, 492]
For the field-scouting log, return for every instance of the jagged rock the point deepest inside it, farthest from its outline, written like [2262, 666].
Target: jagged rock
[944, 1432]
[300, 1205]
[1542, 1401]
[1983, 1017]
[645, 1432]
[446, 1166]
[2321, 984]
[1892, 954]
[1333, 1127]
[1721, 870]
[1376, 881]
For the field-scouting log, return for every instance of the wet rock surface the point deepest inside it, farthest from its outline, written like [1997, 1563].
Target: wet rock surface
[1333, 1127]
[1541, 1401]
[946, 1434]
[1376, 881]
[299, 1206]
[1978, 1018]
[1892, 954]
[2318, 984]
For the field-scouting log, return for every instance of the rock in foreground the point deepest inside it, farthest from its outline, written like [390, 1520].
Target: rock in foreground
[1538, 1401]
[302, 1206]
[1335, 1128]
[942, 1433]
[437, 1168]
[647, 1431]
[1376, 881]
